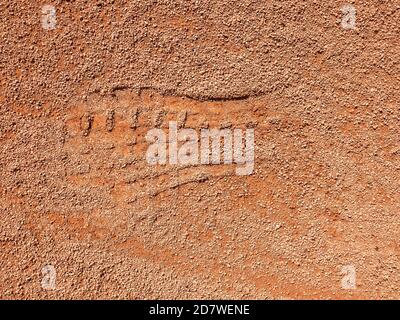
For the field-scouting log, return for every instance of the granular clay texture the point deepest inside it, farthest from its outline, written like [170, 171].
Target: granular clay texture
[77, 194]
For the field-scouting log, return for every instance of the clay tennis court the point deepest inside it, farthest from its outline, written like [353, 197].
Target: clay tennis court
[84, 215]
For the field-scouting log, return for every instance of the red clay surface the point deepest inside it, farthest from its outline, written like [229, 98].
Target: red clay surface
[324, 104]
